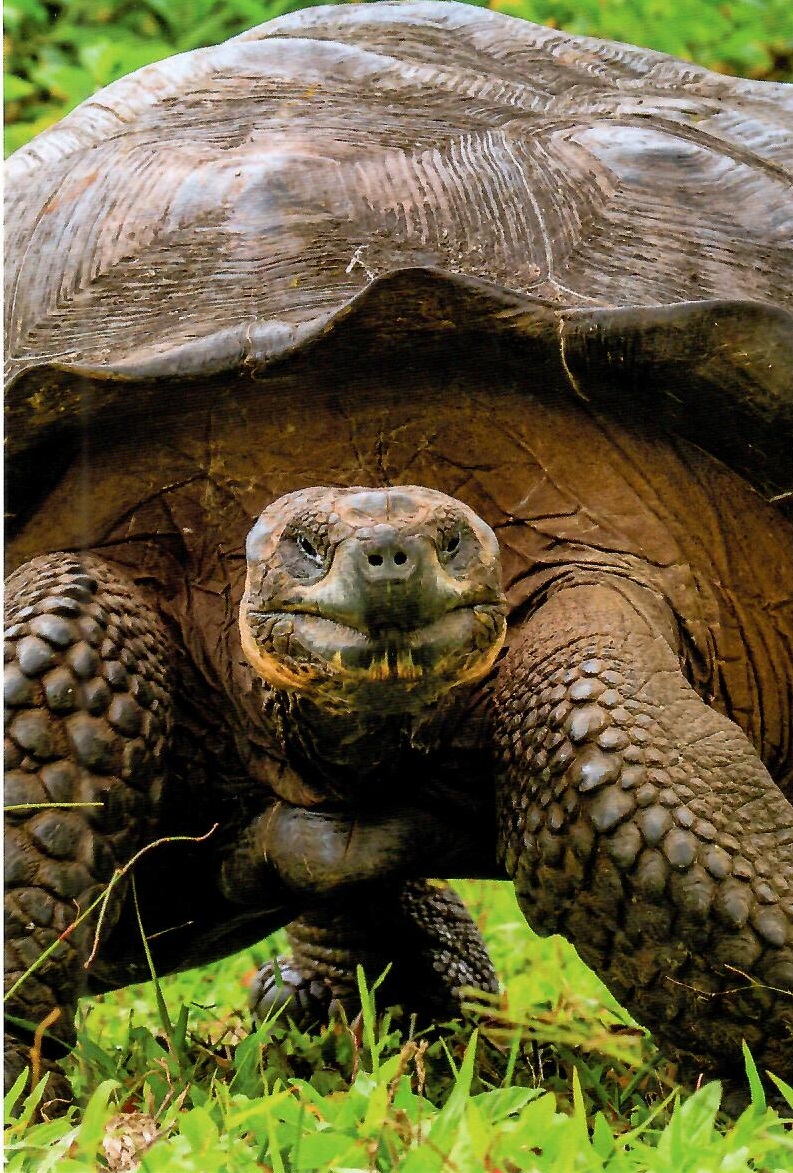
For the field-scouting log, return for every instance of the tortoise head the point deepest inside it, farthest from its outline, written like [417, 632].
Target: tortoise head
[372, 599]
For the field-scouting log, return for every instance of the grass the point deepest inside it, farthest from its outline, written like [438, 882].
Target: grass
[554, 1076]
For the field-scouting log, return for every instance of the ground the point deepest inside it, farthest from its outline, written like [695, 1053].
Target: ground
[184, 1086]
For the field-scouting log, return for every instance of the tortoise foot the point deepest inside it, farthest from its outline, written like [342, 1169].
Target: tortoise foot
[415, 942]
[306, 999]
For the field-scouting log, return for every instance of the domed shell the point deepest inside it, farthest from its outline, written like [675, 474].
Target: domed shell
[416, 167]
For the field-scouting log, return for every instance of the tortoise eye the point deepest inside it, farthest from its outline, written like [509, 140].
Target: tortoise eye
[451, 545]
[300, 557]
[307, 548]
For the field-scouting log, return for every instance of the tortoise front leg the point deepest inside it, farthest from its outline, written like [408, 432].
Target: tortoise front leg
[420, 928]
[352, 871]
[642, 825]
[87, 721]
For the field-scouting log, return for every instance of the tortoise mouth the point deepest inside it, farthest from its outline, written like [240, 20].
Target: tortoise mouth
[301, 649]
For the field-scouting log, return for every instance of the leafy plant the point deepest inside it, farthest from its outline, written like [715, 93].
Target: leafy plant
[753, 38]
[552, 1077]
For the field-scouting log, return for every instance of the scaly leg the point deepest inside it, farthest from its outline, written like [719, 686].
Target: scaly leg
[642, 825]
[87, 721]
[421, 927]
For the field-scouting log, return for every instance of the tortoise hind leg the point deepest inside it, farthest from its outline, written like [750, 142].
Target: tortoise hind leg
[87, 720]
[642, 824]
[420, 927]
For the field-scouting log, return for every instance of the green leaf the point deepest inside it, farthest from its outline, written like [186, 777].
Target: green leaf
[89, 1136]
[322, 1149]
[502, 1102]
[602, 1139]
[14, 1093]
[785, 1088]
[755, 1083]
[17, 87]
[68, 83]
[691, 1126]
[199, 1129]
[107, 60]
[451, 1114]
[16, 12]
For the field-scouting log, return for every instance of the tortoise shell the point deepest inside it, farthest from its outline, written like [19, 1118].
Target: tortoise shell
[414, 169]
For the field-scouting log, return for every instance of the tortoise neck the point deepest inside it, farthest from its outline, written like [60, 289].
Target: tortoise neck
[343, 751]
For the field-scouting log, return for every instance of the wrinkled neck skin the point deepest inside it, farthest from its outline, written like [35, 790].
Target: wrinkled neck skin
[365, 755]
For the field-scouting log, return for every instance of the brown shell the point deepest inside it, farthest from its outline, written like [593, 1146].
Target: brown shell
[408, 167]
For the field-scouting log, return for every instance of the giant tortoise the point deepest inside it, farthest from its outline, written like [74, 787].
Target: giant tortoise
[417, 286]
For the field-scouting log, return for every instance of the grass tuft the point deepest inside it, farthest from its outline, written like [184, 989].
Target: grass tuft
[551, 1076]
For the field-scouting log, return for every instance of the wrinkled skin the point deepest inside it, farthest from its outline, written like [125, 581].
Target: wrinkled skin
[636, 733]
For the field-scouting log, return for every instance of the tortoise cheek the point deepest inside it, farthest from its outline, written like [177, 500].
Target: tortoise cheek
[271, 669]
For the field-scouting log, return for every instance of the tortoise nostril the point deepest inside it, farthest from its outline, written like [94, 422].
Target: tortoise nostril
[397, 558]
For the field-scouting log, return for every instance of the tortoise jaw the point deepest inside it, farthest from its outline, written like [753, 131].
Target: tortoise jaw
[393, 670]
